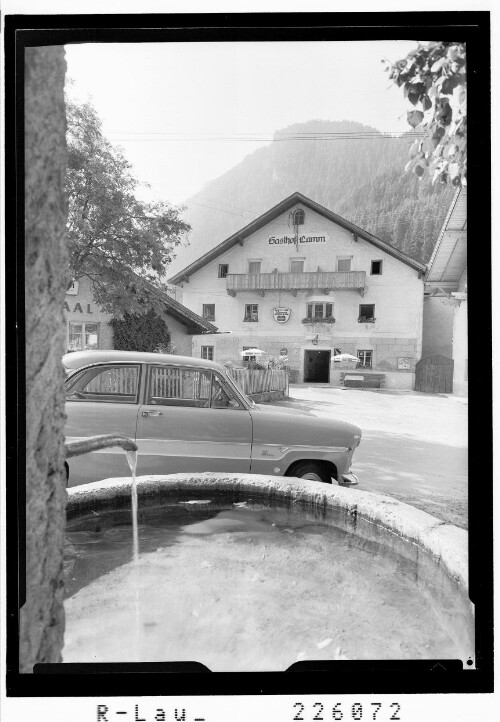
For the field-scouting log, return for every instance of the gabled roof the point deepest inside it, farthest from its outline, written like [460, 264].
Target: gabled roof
[194, 323]
[190, 319]
[276, 211]
[449, 257]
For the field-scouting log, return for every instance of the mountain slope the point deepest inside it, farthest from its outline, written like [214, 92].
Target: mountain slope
[354, 171]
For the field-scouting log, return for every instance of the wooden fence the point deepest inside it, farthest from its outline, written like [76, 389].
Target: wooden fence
[257, 381]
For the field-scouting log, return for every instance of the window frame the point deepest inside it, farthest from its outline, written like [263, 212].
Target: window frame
[364, 351]
[344, 258]
[363, 318]
[381, 262]
[75, 378]
[204, 315]
[247, 317]
[254, 260]
[301, 213]
[311, 306]
[297, 260]
[250, 357]
[205, 358]
[84, 324]
[222, 273]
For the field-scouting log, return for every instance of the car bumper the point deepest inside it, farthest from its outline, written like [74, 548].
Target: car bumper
[348, 479]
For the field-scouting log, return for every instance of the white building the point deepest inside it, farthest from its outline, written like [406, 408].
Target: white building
[301, 281]
[89, 327]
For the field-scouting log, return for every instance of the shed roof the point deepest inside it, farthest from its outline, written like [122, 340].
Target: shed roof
[449, 257]
[273, 213]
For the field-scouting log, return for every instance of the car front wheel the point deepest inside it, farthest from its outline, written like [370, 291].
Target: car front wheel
[310, 470]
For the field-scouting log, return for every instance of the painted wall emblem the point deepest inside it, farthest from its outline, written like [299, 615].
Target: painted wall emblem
[281, 315]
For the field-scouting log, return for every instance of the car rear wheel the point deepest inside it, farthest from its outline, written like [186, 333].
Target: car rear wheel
[310, 470]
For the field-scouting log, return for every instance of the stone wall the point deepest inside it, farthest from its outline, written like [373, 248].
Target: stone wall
[42, 615]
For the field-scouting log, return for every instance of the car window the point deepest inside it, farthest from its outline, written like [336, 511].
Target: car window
[174, 386]
[199, 388]
[222, 395]
[118, 384]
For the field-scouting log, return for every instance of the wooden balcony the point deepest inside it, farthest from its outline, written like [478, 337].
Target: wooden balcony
[324, 281]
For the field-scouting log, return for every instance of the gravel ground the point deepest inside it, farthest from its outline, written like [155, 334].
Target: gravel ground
[414, 445]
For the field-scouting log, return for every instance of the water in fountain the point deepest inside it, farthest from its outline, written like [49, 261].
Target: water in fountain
[239, 586]
[132, 462]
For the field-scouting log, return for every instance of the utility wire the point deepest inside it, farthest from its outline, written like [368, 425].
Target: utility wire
[147, 137]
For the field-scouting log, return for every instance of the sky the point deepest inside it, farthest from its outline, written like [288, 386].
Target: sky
[185, 113]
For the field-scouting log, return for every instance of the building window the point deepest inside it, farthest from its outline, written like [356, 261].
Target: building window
[250, 357]
[254, 266]
[83, 336]
[365, 359]
[366, 313]
[376, 268]
[209, 311]
[251, 312]
[298, 217]
[223, 270]
[344, 264]
[319, 310]
[297, 265]
[207, 352]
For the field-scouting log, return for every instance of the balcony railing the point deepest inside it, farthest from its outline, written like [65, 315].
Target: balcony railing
[321, 280]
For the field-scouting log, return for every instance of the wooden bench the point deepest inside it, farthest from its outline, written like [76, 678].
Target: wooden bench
[365, 380]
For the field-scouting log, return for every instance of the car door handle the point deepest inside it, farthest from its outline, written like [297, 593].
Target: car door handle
[152, 413]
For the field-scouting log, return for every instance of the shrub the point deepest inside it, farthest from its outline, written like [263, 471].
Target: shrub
[147, 332]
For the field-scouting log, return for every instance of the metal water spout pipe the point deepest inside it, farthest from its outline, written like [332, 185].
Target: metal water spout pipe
[94, 443]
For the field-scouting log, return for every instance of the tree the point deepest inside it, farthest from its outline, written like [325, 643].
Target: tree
[434, 81]
[123, 245]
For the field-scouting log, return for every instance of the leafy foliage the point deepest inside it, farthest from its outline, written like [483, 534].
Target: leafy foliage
[120, 243]
[326, 319]
[434, 77]
[146, 332]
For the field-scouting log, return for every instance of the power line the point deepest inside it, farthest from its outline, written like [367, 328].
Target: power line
[259, 139]
[213, 208]
[353, 133]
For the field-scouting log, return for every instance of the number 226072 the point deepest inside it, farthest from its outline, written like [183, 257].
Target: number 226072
[318, 712]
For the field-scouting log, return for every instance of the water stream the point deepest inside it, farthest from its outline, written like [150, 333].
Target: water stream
[132, 462]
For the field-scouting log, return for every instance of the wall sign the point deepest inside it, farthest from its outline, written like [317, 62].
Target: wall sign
[404, 363]
[78, 308]
[290, 240]
[73, 289]
[281, 315]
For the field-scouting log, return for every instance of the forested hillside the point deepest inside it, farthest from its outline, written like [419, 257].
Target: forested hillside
[350, 168]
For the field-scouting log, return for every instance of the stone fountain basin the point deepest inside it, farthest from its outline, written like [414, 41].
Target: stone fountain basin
[438, 551]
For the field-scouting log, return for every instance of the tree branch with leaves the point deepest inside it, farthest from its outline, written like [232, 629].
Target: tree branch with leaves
[434, 80]
[123, 245]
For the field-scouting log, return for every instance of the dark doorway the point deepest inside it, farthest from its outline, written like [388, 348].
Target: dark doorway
[434, 375]
[317, 366]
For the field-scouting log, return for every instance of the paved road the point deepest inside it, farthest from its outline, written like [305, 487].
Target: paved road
[414, 445]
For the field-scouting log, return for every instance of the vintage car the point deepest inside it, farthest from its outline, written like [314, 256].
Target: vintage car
[188, 415]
